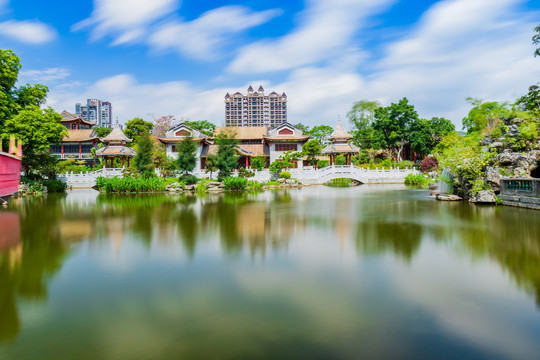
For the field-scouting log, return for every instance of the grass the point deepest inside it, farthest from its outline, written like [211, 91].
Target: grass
[130, 184]
[418, 180]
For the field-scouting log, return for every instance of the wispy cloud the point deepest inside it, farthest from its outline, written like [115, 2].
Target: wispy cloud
[125, 20]
[203, 37]
[325, 29]
[28, 31]
[45, 75]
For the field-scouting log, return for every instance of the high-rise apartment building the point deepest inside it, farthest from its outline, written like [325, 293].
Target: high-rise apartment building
[97, 111]
[255, 108]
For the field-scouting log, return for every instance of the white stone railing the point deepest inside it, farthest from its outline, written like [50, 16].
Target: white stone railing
[307, 175]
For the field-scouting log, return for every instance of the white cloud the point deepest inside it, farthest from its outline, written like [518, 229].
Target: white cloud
[453, 52]
[49, 74]
[202, 37]
[126, 20]
[29, 31]
[326, 29]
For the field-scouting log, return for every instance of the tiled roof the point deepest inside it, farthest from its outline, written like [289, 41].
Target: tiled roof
[80, 135]
[67, 116]
[171, 140]
[116, 150]
[243, 132]
[116, 135]
[286, 138]
[343, 148]
[340, 133]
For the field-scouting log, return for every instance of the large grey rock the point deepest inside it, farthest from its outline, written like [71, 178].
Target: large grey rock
[484, 197]
[497, 145]
[493, 178]
[449, 198]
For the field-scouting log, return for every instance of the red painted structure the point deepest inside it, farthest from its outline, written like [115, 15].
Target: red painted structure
[10, 173]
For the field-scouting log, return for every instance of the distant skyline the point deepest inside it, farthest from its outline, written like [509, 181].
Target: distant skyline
[161, 57]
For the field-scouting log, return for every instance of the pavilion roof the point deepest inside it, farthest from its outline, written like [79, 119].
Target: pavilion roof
[340, 148]
[67, 116]
[80, 135]
[117, 135]
[116, 150]
[340, 133]
[243, 149]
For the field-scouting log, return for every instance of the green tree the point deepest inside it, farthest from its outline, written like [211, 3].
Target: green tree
[204, 126]
[531, 101]
[482, 114]
[37, 129]
[421, 137]
[227, 155]
[311, 150]
[536, 40]
[258, 162]
[136, 127]
[440, 127]
[362, 114]
[102, 131]
[210, 165]
[321, 133]
[187, 159]
[302, 127]
[143, 161]
[393, 122]
[340, 160]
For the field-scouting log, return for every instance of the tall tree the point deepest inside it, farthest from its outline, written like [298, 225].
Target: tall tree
[440, 127]
[536, 40]
[37, 129]
[321, 133]
[203, 126]
[311, 150]
[482, 114]
[162, 124]
[302, 127]
[362, 116]
[187, 159]
[531, 100]
[21, 116]
[393, 122]
[144, 161]
[227, 155]
[136, 127]
[102, 131]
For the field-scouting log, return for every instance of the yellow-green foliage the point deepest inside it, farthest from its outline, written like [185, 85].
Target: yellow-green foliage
[463, 155]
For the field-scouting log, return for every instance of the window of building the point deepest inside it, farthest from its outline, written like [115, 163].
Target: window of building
[173, 148]
[286, 147]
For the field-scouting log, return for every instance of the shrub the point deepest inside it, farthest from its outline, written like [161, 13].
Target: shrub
[429, 164]
[130, 172]
[55, 186]
[234, 183]
[254, 185]
[285, 175]
[387, 163]
[417, 180]
[340, 160]
[129, 184]
[188, 179]
[405, 164]
[201, 187]
[322, 163]
[245, 173]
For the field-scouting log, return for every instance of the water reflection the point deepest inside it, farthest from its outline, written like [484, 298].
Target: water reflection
[377, 223]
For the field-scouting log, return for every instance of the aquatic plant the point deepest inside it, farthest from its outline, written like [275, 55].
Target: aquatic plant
[129, 184]
[235, 183]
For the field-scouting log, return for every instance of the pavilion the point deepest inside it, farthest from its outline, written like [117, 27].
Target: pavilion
[116, 148]
[340, 145]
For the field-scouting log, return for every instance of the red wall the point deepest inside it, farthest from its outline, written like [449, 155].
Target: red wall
[10, 174]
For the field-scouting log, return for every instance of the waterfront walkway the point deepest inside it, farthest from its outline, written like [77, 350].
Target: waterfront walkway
[306, 175]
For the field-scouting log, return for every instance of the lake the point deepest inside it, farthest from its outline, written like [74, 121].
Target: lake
[381, 272]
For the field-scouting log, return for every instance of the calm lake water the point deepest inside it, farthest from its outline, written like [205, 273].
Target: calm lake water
[362, 272]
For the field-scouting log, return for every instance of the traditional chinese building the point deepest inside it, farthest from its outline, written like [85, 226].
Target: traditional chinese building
[254, 141]
[78, 141]
[340, 145]
[179, 133]
[115, 148]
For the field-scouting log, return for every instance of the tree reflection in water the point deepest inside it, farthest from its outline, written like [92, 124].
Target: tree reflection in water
[378, 222]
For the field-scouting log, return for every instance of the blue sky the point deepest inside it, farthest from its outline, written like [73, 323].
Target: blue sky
[159, 57]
